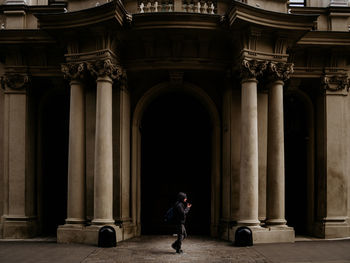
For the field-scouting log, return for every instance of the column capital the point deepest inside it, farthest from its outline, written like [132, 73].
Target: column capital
[107, 67]
[15, 81]
[336, 83]
[73, 70]
[251, 69]
[279, 71]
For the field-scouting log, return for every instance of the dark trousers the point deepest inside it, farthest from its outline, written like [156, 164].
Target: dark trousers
[181, 235]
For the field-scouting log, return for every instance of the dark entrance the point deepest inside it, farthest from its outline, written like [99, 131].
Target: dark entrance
[53, 138]
[297, 139]
[176, 156]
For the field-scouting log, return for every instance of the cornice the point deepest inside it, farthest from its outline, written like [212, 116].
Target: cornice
[248, 14]
[112, 11]
[325, 38]
[25, 36]
[321, 10]
[53, 8]
[174, 20]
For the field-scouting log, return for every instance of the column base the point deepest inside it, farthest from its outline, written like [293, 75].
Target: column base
[74, 233]
[283, 234]
[18, 227]
[103, 222]
[73, 221]
[332, 227]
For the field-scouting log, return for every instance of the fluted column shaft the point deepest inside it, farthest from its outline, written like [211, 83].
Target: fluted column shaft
[249, 184]
[103, 179]
[275, 156]
[76, 155]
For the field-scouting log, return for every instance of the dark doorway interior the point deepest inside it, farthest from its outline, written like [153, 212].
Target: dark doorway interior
[54, 140]
[296, 143]
[176, 156]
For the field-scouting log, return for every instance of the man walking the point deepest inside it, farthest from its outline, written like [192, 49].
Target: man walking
[181, 209]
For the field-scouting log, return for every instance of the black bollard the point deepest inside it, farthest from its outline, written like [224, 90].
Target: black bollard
[243, 237]
[107, 237]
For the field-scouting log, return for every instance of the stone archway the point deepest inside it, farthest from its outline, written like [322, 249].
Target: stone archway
[209, 105]
[299, 160]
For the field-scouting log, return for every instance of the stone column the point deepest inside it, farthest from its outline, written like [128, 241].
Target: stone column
[19, 196]
[105, 71]
[249, 184]
[275, 144]
[76, 153]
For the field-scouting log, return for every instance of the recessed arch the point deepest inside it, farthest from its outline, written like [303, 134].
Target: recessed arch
[139, 110]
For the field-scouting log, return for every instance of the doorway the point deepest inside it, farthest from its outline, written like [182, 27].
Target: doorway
[176, 154]
[299, 161]
[53, 155]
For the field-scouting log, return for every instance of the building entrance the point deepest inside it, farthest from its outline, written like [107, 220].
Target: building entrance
[52, 194]
[298, 161]
[176, 134]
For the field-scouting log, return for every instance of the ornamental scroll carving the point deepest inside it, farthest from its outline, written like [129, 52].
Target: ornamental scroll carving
[73, 71]
[279, 71]
[336, 83]
[15, 81]
[105, 68]
[252, 68]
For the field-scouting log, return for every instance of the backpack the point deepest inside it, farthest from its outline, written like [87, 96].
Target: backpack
[169, 216]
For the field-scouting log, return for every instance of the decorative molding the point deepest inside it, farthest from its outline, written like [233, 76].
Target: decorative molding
[105, 67]
[15, 81]
[73, 71]
[279, 71]
[252, 68]
[336, 83]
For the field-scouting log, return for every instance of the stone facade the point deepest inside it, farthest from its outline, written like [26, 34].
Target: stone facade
[78, 79]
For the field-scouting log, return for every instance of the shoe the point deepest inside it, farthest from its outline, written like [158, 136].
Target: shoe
[174, 246]
[179, 251]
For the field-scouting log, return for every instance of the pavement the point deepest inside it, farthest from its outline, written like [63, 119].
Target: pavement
[150, 249]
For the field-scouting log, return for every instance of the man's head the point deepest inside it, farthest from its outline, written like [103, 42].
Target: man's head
[182, 197]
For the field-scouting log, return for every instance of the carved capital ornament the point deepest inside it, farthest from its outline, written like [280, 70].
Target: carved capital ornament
[336, 83]
[15, 81]
[252, 68]
[105, 68]
[73, 71]
[279, 71]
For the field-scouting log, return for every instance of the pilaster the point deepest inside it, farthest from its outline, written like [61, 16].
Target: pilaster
[19, 219]
[332, 189]
[121, 155]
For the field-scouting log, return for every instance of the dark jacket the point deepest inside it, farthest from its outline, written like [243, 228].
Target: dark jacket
[181, 209]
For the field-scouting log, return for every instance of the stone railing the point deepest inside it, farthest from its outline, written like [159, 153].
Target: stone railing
[149, 6]
[190, 6]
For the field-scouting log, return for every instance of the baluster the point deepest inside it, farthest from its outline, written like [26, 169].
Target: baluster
[171, 6]
[184, 5]
[190, 6]
[210, 8]
[152, 7]
[205, 8]
[141, 7]
[202, 6]
[146, 7]
[194, 6]
[163, 6]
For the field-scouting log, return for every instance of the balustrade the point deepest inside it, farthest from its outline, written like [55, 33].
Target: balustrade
[189, 6]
